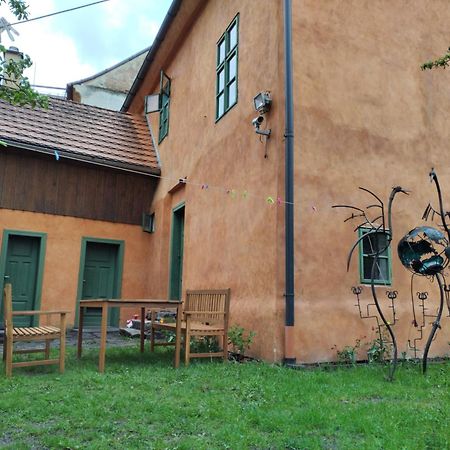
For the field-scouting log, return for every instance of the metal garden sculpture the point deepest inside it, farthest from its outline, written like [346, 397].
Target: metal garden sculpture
[425, 251]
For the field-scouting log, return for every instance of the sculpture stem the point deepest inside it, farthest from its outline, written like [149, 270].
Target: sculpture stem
[386, 323]
[436, 323]
[441, 207]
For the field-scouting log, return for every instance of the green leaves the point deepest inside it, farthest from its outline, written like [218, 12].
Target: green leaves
[18, 8]
[440, 62]
[15, 88]
[239, 339]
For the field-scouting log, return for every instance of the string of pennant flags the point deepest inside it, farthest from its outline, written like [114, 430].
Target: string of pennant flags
[232, 193]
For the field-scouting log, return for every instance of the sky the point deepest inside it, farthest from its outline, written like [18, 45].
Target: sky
[74, 45]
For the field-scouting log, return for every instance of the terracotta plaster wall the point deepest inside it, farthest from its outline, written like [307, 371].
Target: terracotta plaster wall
[62, 257]
[365, 115]
[230, 238]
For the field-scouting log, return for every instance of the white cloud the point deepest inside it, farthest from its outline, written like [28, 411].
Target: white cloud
[117, 12]
[147, 28]
[74, 45]
[55, 56]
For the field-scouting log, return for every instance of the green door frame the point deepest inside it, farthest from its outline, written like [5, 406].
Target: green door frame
[40, 271]
[172, 288]
[118, 274]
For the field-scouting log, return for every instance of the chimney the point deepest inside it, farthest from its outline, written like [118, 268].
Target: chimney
[12, 53]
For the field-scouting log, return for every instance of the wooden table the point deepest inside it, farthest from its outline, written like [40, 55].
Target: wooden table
[104, 304]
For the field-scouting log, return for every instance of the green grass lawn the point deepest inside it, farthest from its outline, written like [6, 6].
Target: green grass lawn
[141, 402]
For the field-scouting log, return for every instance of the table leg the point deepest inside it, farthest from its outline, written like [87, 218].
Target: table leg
[80, 332]
[101, 358]
[142, 329]
[178, 338]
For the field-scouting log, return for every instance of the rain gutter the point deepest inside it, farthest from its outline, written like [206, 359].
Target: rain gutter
[103, 162]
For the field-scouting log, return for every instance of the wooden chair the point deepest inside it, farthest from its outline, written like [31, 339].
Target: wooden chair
[44, 333]
[205, 314]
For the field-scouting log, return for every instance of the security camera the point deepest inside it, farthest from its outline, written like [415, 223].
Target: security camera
[257, 121]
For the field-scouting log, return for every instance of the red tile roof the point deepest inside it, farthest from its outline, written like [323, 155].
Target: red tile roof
[81, 132]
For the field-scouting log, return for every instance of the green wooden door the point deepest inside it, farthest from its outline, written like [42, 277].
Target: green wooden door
[99, 279]
[22, 263]
[176, 256]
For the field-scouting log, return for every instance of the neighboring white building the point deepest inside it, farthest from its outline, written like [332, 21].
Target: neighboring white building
[108, 88]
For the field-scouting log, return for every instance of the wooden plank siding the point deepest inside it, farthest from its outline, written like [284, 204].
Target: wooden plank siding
[38, 183]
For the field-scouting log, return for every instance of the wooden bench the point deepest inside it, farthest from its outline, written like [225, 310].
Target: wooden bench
[205, 313]
[44, 333]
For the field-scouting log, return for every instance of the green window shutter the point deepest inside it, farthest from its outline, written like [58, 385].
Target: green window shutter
[148, 222]
[369, 245]
[227, 69]
[164, 99]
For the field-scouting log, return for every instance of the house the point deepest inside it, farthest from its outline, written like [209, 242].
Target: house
[213, 182]
[364, 115]
[108, 88]
[75, 181]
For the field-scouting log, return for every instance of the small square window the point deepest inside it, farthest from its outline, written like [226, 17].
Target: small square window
[148, 222]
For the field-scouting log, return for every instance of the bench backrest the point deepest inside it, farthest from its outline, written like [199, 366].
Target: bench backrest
[214, 303]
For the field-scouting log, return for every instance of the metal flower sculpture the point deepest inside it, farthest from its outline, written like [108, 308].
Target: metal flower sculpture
[425, 251]
[376, 225]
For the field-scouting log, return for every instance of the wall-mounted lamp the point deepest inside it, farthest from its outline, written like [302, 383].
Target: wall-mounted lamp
[262, 102]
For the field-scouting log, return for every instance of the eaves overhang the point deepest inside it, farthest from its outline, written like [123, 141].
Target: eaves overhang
[94, 160]
[171, 13]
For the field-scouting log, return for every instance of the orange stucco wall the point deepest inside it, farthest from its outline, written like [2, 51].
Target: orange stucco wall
[231, 239]
[62, 257]
[365, 115]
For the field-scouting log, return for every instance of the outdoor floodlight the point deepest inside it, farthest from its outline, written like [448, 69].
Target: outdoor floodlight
[262, 102]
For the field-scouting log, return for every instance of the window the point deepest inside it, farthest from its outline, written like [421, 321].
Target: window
[227, 69]
[164, 98]
[148, 222]
[368, 246]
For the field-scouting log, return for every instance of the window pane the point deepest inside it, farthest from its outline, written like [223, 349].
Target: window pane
[233, 36]
[382, 243]
[381, 269]
[164, 118]
[369, 245]
[166, 89]
[232, 94]
[221, 54]
[220, 105]
[374, 243]
[367, 268]
[221, 81]
[232, 67]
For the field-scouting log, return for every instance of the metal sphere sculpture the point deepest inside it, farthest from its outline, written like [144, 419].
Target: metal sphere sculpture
[423, 251]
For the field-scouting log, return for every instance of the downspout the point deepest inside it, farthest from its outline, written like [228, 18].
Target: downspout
[289, 354]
